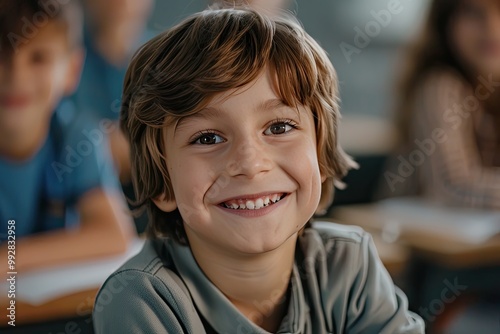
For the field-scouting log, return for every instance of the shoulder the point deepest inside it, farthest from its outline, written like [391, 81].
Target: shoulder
[337, 249]
[330, 231]
[353, 283]
[335, 236]
[147, 267]
[443, 83]
[78, 128]
[144, 293]
[442, 99]
[82, 155]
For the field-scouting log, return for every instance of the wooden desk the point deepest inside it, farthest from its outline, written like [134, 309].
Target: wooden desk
[441, 249]
[78, 304]
[60, 301]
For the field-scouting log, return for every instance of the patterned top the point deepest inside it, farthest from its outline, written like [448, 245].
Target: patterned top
[459, 142]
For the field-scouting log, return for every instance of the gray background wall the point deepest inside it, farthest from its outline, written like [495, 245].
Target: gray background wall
[367, 81]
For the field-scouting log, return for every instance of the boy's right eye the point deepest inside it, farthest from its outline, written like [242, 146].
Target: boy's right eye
[208, 138]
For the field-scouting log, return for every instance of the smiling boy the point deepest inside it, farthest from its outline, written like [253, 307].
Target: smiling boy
[232, 120]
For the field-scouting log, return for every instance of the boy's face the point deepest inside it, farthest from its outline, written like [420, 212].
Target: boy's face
[118, 12]
[34, 78]
[244, 151]
[271, 6]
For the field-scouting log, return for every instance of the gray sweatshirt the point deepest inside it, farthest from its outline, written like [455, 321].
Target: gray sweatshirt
[338, 285]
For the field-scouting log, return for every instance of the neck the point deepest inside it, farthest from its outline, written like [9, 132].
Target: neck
[257, 285]
[116, 42]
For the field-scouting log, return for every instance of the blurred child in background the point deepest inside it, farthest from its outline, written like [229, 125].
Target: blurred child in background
[114, 29]
[271, 7]
[56, 179]
[449, 112]
[449, 106]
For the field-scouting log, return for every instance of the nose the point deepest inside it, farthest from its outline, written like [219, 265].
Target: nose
[249, 158]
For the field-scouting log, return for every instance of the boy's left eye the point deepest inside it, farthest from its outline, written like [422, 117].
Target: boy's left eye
[279, 128]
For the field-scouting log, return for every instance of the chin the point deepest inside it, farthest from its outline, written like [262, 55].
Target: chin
[14, 126]
[261, 246]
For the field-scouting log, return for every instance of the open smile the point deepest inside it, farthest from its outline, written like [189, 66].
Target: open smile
[14, 101]
[253, 203]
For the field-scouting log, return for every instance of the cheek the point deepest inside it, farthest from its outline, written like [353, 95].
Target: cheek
[310, 183]
[51, 83]
[188, 194]
[315, 174]
[315, 177]
[464, 38]
[190, 180]
[459, 43]
[303, 163]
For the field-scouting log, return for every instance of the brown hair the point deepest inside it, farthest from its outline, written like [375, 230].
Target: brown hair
[431, 50]
[21, 19]
[177, 73]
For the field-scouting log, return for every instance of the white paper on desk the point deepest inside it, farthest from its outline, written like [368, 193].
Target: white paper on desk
[41, 286]
[467, 225]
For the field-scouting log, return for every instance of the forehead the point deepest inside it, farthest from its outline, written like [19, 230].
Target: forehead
[260, 95]
[105, 8]
[263, 87]
[50, 37]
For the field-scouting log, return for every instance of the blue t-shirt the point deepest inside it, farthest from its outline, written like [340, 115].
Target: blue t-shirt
[41, 193]
[100, 89]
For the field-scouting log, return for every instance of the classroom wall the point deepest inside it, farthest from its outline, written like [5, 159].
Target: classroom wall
[367, 78]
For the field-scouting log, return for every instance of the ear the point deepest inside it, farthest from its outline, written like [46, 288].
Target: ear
[164, 204]
[74, 73]
[323, 178]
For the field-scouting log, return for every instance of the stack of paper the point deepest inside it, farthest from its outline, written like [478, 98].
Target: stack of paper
[467, 225]
[40, 286]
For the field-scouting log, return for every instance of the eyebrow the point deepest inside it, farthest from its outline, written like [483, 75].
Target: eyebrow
[206, 113]
[271, 104]
[211, 112]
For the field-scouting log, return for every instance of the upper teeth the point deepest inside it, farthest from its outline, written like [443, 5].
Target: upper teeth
[254, 204]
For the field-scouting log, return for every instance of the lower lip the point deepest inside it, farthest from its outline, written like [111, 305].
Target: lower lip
[255, 213]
